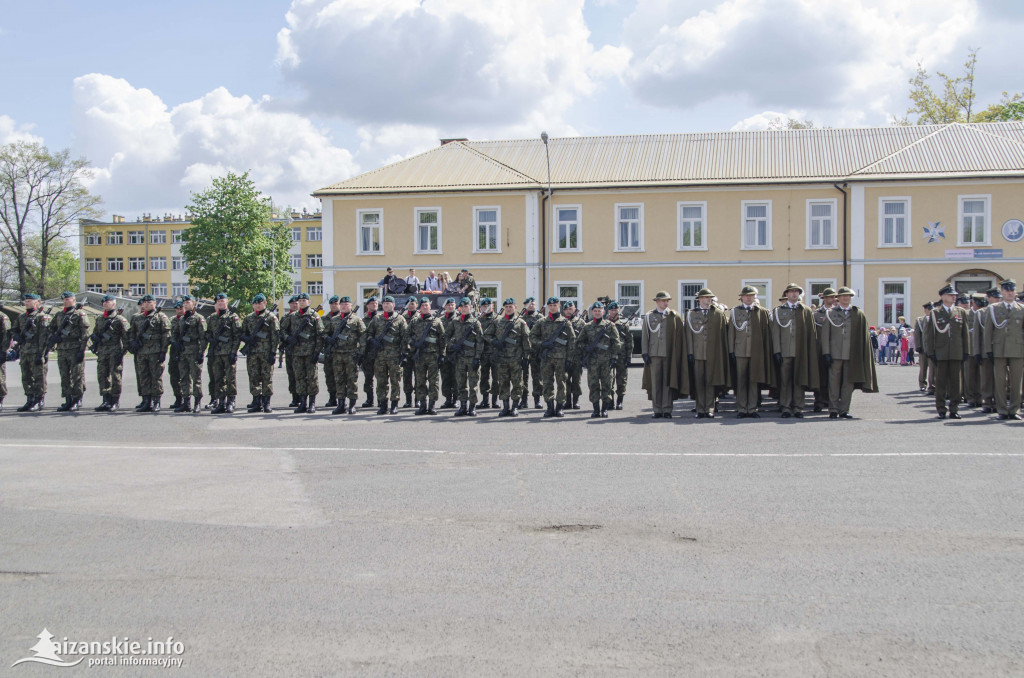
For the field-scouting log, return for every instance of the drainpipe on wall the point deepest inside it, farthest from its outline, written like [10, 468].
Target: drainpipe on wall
[846, 260]
[545, 200]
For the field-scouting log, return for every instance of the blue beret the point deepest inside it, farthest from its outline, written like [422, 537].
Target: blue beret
[612, 304]
[220, 295]
[148, 297]
[553, 300]
[334, 300]
[449, 300]
[109, 297]
[257, 299]
[389, 298]
[528, 300]
[67, 295]
[508, 301]
[465, 301]
[185, 297]
[345, 300]
[303, 296]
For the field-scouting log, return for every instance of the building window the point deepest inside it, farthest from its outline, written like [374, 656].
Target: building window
[764, 291]
[894, 222]
[371, 231]
[136, 237]
[179, 264]
[314, 261]
[630, 294]
[688, 290]
[491, 290]
[757, 225]
[92, 239]
[428, 231]
[569, 291]
[814, 288]
[158, 289]
[295, 260]
[158, 263]
[178, 289]
[821, 224]
[115, 238]
[94, 264]
[314, 234]
[297, 287]
[115, 264]
[94, 288]
[487, 227]
[567, 228]
[691, 226]
[158, 237]
[136, 263]
[629, 228]
[177, 237]
[116, 290]
[315, 287]
[296, 234]
[974, 220]
[136, 290]
[894, 296]
[365, 291]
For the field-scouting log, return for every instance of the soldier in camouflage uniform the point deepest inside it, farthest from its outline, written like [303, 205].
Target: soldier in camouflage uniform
[621, 367]
[598, 346]
[468, 285]
[573, 364]
[552, 339]
[5, 343]
[329, 380]
[285, 351]
[531, 368]
[386, 342]
[109, 343]
[488, 396]
[224, 334]
[426, 348]
[305, 336]
[188, 343]
[261, 335]
[148, 338]
[509, 341]
[31, 336]
[410, 312]
[344, 342]
[172, 362]
[367, 363]
[448, 389]
[69, 334]
[463, 346]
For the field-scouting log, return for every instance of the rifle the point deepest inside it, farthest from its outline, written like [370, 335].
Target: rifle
[54, 339]
[459, 346]
[549, 343]
[588, 350]
[96, 341]
[498, 344]
[218, 336]
[373, 344]
[417, 346]
[255, 335]
[288, 342]
[332, 341]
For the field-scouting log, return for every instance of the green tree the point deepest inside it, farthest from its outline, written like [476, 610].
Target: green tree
[955, 99]
[62, 270]
[233, 246]
[778, 123]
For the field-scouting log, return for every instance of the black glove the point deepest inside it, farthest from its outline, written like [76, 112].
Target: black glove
[12, 355]
[233, 358]
[39, 359]
[991, 357]
[614, 362]
[199, 360]
[80, 357]
[732, 357]
[965, 357]
[933, 358]
[271, 356]
[404, 362]
[691, 359]
[134, 346]
[828, 360]
[315, 358]
[476, 363]
[646, 358]
[778, 359]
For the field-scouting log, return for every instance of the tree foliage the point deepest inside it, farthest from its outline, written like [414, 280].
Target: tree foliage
[955, 99]
[233, 246]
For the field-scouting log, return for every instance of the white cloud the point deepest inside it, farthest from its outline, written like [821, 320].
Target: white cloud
[10, 131]
[766, 119]
[149, 156]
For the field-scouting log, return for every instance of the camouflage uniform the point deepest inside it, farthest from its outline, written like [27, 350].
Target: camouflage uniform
[289, 364]
[425, 358]
[574, 368]
[408, 385]
[486, 363]
[329, 381]
[31, 335]
[389, 335]
[621, 368]
[464, 345]
[69, 331]
[307, 330]
[367, 365]
[531, 369]
[5, 343]
[223, 334]
[262, 335]
[509, 341]
[148, 339]
[561, 341]
[188, 342]
[448, 390]
[172, 363]
[109, 345]
[598, 345]
[348, 345]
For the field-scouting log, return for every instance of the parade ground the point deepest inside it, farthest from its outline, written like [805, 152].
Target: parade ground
[281, 544]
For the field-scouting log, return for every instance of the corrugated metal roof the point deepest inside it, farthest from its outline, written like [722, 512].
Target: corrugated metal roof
[704, 158]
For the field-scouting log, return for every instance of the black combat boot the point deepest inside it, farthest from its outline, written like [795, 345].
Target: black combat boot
[521, 403]
[176, 403]
[605, 406]
[266, 405]
[551, 409]
[115, 403]
[504, 409]
[154, 404]
[340, 409]
[394, 407]
[448, 404]
[484, 402]
[461, 412]
[147, 405]
[65, 406]
[77, 405]
[596, 414]
[35, 405]
[332, 400]
[1, 404]
[471, 412]
[382, 406]
[430, 407]
[558, 410]
[494, 401]
[536, 403]
[255, 406]
[311, 407]
[142, 404]
[184, 405]
[105, 406]
[210, 405]
[218, 407]
[301, 408]
[28, 404]
[514, 411]
[369, 401]
[618, 403]
[422, 408]
[575, 402]
[230, 409]
[351, 405]
[295, 400]
[408, 401]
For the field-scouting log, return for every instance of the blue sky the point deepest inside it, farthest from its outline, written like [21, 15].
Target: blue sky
[162, 96]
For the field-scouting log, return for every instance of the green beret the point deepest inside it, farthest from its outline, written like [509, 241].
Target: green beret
[220, 295]
[189, 297]
[148, 297]
[612, 304]
[372, 299]
[345, 300]
[553, 300]
[449, 300]
[257, 299]
[528, 300]
[303, 296]
[597, 304]
[389, 298]
[30, 296]
[334, 300]
[293, 299]
[178, 304]
[465, 301]
[570, 304]
[486, 301]
[109, 297]
[508, 301]
[67, 295]
[425, 300]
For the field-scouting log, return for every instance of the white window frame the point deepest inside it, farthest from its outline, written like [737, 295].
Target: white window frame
[579, 289]
[743, 225]
[120, 264]
[679, 289]
[296, 287]
[115, 238]
[158, 237]
[476, 229]
[639, 228]
[882, 282]
[380, 231]
[158, 263]
[630, 282]
[703, 204]
[158, 289]
[136, 263]
[555, 224]
[834, 204]
[175, 261]
[416, 230]
[491, 283]
[361, 289]
[881, 220]
[94, 287]
[93, 239]
[987, 199]
[314, 261]
[315, 287]
[93, 264]
[769, 299]
[136, 289]
[295, 261]
[177, 236]
[296, 233]
[116, 290]
[809, 298]
[136, 237]
[314, 230]
[178, 289]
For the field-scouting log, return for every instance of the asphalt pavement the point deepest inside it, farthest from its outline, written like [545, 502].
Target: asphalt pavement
[887, 545]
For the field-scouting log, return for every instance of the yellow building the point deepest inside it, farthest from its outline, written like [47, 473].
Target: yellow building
[133, 258]
[893, 212]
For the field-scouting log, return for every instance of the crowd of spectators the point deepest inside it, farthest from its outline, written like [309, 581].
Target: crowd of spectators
[893, 345]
